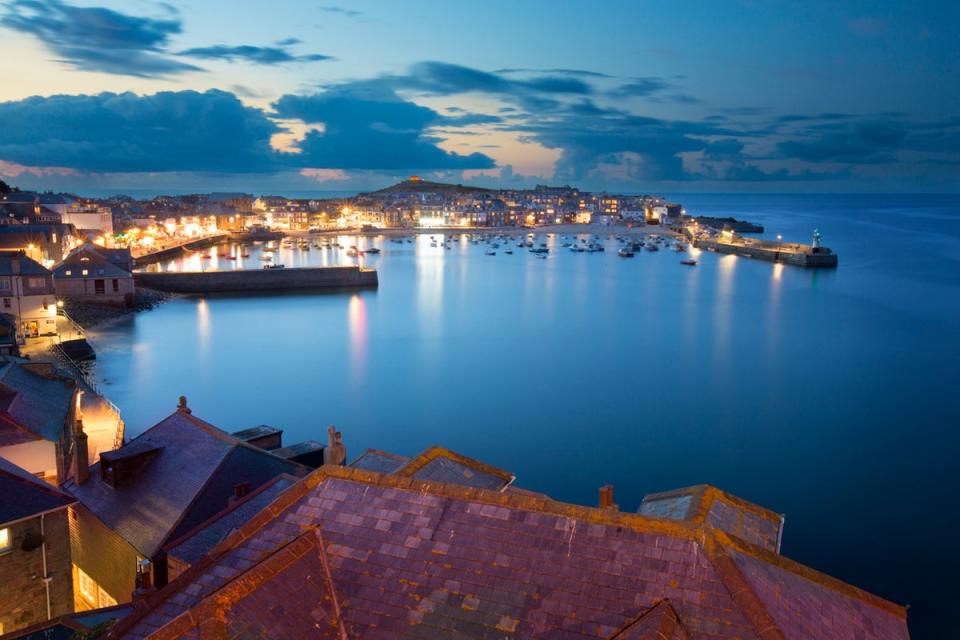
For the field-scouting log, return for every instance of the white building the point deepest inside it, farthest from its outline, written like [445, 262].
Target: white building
[27, 295]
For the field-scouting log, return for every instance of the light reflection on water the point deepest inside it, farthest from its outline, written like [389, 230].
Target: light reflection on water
[825, 395]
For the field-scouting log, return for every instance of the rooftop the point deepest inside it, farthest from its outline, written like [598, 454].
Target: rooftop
[172, 477]
[25, 495]
[351, 553]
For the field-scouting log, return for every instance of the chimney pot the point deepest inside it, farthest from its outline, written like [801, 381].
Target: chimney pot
[606, 497]
[82, 453]
[144, 583]
[182, 406]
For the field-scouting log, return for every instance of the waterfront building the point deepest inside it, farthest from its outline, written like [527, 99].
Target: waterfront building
[38, 410]
[27, 294]
[151, 491]
[89, 218]
[40, 405]
[444, 546]
[47, 243]
[95, 274]
[34, 550]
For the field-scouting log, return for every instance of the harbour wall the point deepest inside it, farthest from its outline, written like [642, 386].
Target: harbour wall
[797, 255]
[258, 280]
[177, 251]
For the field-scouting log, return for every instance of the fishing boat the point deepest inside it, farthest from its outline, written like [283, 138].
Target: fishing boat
[625, 253]
[689, 262]
[373, 250]
[651, 246]
[266, 257]
[489, 252]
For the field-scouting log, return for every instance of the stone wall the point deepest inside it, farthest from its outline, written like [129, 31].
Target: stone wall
[23, 596]
[249, 280]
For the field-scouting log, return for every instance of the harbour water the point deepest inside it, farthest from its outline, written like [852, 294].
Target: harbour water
[828, 395]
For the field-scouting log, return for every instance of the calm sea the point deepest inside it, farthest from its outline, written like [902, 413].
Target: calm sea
[830, 396]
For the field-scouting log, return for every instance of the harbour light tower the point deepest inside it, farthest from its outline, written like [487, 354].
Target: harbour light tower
[816, 240]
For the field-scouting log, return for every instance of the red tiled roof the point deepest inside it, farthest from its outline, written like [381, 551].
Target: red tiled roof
[408, 558]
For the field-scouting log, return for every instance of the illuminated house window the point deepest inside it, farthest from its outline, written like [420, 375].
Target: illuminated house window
[85, 272]
[69, 272]
[5, 542]
[105, 599]
[87, 586]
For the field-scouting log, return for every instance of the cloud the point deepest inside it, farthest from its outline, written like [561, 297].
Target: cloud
[350, 13]
[641, 87]
[584, 73]
[253, 54]
[367, 126]
[861, 142]
[98, 39]
[166, 131]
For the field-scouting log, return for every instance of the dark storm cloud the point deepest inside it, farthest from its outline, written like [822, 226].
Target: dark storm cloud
[367, 126]
[253, 54]
[98, 39]
[167, 131]
[862, 142]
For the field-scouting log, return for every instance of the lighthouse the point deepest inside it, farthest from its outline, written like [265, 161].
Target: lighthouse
[816, 240]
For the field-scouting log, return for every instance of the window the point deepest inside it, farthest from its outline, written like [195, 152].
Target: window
[105, 599]
[98, 287]
[69, 272]
[116, 285]
[87, 586]
[5, 283]
[85, 272]
[5, 542]
[6, 303]
[36, 283]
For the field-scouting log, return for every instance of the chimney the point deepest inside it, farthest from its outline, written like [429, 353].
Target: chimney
[143, 582]
[15, 263]
[606, 498]
[334, 452]
[83, 455]
[182, 406]
[239, 491]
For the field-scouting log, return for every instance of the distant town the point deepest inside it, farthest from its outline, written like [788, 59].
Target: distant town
[145, 225]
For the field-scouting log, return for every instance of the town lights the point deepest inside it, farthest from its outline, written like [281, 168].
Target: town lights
[60, 304]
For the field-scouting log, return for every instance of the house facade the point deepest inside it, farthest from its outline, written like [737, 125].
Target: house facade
[34, 550]
[27, 294]
[94, 274]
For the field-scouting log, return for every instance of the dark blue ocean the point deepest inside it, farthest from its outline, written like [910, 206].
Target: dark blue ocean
[830, 396]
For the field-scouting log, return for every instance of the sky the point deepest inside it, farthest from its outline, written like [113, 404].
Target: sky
[637, 96]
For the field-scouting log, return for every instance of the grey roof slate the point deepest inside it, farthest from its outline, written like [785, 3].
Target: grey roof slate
[23, 495]
[28, 266]
[38, 403]
[195, 544]
[147, 508]
[379, 461]
[454, 472]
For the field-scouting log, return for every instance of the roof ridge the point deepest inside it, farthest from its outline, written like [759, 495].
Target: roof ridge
[228, 509]
[239, 585]
[667, 626]
[36, 483]
[729, 541]
[425, 457]
[741, 592]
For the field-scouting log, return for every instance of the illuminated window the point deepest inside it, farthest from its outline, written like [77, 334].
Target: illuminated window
[105, 599]
[87, 586]
[69, 273]
[5, 542]
[85, 272]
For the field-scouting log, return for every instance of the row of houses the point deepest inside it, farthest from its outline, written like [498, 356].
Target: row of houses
[189, 531]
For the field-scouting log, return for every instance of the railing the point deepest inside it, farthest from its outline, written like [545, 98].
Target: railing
[87, 379]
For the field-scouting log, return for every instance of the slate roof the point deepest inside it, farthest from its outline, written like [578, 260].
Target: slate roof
[379, 461]
[442, 465]
[349, 553]
[34, 402]
[96, 260]
[28, 266]
[23, 495]
[188, 480]
[195, 544]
